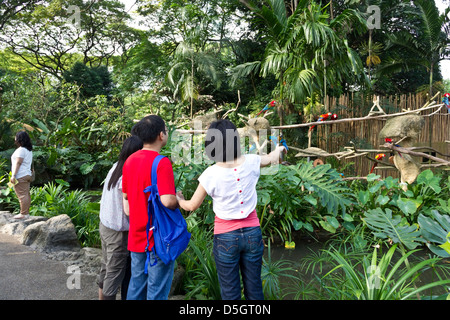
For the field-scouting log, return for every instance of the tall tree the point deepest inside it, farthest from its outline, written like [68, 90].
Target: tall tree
[429, 42]
[56, 33]
[306, 47]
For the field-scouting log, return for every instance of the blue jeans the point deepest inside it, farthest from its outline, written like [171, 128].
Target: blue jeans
[152, 286]
[239, 249]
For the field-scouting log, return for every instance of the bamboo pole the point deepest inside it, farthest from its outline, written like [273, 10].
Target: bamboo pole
[318, 123]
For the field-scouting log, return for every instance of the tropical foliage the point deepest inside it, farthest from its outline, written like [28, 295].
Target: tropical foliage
[77, 75]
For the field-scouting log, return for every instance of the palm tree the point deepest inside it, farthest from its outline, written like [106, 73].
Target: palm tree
[300, 44]
[192, 62]
[430, 44]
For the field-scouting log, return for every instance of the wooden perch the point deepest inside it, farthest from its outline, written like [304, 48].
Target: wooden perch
[319, 123]
[415, 153]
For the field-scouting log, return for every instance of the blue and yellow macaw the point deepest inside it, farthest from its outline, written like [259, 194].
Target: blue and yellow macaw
[281, 140]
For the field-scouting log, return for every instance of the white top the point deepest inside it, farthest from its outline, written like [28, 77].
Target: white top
[25, 168]
[112, 215]
[233, 190]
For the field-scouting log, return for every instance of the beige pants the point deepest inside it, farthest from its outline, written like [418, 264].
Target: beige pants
[22, 189]
[114, 260]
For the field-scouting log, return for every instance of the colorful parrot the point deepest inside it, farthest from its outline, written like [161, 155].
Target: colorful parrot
[446, 101]
[379, 157]
[268, 106]
[389, 140]
[324, 117]
[282, 141]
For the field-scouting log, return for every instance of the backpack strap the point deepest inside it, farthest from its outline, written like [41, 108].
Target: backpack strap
[155, 168]
[154, 175]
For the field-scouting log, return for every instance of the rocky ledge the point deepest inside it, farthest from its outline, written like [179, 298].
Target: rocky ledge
[56, 239]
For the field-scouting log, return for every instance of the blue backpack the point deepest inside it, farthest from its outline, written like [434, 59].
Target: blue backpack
[169, 227]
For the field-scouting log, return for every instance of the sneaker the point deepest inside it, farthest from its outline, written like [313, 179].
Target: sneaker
[21, 216]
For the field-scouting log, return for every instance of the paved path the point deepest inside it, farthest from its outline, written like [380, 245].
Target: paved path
[26, 275]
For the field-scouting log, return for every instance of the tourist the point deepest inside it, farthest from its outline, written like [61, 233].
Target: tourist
[21, 172]
[231, 182]
[156, 284]
[114, 228]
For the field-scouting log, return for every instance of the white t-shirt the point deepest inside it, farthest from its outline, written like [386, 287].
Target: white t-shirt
[112, 215]
[233, 190]
[25, 167]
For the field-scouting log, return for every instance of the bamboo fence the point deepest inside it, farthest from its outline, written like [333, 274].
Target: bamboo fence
[332, 138]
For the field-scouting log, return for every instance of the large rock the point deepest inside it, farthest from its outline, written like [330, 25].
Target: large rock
[409, 125]
[16, 227]
[57, 233]
[407, 128]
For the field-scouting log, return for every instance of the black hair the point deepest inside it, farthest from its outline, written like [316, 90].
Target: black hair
[149, 128]
[130, 146]
[222, 141]
[23, 140]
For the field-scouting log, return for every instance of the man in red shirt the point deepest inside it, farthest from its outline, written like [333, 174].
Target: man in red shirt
[136, 176]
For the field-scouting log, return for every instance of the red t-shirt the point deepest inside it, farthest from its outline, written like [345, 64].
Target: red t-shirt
[136, 176]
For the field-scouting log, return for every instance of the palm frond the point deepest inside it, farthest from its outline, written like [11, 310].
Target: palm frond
[244, 70]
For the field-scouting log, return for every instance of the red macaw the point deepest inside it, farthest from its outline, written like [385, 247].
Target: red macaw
[379, 157]
[324, 117]
[389, 140]
[268, 107]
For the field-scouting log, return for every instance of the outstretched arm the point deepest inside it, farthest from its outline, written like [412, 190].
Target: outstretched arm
[272, 157]
[196, 200]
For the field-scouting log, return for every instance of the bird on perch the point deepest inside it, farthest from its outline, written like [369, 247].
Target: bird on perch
[267, 107]
[378, 157]
[324, 117]
[446, 101]
[389, 140]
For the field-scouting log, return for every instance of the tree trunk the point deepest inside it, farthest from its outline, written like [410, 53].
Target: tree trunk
[431, 79]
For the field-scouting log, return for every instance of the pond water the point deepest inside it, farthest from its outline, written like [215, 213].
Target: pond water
[307, 250]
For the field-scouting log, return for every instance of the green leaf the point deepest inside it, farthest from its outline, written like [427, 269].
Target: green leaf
[372, 177]
[436, 230]
[390, 182]
[408, 206]
[427, 178]
[376, 187]
[297, 224]
[382, 200]
[446, 247]
[328, 227]
[311, 199]
[308, 226]
[333, 221]
[363, 197]
[327, 184]
[62, 182]
[86, 168]
[41, 125]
